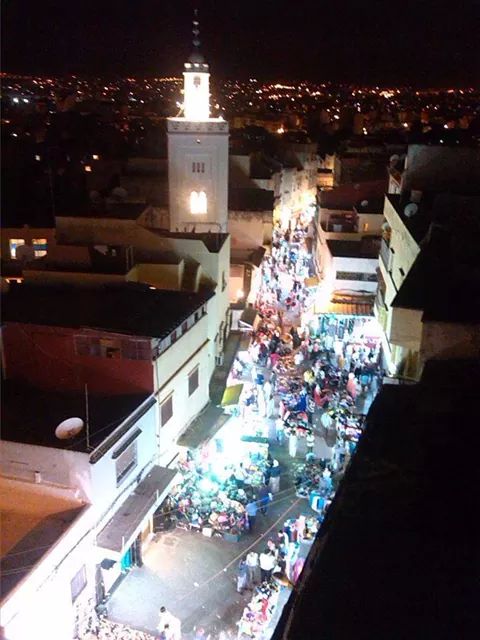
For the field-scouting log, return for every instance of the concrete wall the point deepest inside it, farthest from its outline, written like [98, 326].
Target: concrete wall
[207, 145]
[58, 467]
[446, 340]
[41, 606]
[162, 276]
[406, 328]
[373, 221]
[106, 496]
[250, 229]
[26, 233]
[45, 357]
[172, 370]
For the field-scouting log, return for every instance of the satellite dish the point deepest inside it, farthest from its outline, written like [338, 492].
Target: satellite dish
[410, 210]
[69, 428]
[394, 159]
[364, 203]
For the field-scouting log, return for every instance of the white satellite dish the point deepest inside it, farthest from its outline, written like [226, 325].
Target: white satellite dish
[364, 203]
[69, 428]
[411, 209]
[394, 159]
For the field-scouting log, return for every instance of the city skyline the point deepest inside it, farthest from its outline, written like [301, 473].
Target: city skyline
[421, 44]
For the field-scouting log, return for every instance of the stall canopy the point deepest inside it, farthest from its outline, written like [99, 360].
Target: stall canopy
[231, 395]
[311, 282]
[249, 318]
[129, 519]
[204, 427]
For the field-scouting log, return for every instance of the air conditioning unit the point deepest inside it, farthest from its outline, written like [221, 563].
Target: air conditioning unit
[219, 360]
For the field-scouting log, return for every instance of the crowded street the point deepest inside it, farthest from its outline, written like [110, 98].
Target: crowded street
[235, 533]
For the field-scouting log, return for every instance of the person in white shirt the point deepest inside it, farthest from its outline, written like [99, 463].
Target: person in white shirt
[267, 564]
[252, 564]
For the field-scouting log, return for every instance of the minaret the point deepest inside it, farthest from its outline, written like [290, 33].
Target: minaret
[197, 154]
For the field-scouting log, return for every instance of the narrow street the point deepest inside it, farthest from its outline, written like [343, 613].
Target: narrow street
[311, 418]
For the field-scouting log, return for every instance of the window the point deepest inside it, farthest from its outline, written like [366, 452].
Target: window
[87, 346]
[185, 327]
[193, 381]
[224, 281]
[110, 348]
[166, 410]
[14, 244]
[40, 247]
[352, 275]
[78, 583]
[136, 350]
[365, 226]
[402, 272]
[126, 461]
[173, 337]
[198, 202]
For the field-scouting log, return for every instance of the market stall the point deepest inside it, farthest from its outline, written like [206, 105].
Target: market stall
[220, 478]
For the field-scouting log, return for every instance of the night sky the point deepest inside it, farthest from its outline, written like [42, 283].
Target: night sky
[425, 43]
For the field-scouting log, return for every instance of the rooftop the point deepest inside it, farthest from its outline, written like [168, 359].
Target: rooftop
[114, 210]
[250, 199]
[33, 517]
[417, 224]
[394, 557]
[365, 248]
[446, 269]
[213, 241]
[128, 308]
[373, 205]
[31, 415]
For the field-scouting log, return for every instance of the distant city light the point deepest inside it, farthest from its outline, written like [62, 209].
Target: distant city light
[88, 168]
[95, 157]
[38, 158]
[16, 100]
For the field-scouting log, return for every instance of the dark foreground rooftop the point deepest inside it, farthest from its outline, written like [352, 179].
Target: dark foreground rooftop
[133, 309]
[31, 416]
[397, 556]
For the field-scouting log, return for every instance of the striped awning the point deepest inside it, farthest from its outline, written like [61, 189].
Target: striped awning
[350, 309]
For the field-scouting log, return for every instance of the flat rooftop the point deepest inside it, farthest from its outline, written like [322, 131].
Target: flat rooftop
[354, 248]
[213, 241]
[33, 518]
[31, 416]
[130, 308]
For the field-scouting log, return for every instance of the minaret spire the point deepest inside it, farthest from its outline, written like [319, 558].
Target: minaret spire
[196, 55]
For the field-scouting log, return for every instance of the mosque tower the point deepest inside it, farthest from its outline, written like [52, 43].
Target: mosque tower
[197, 154]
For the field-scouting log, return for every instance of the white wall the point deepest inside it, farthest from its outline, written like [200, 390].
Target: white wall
[40, 606]
[172, 369]
[58, 467]
[205, 142]
[106, 496]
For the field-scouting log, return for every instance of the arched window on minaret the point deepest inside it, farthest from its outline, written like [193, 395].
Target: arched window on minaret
[198, 202]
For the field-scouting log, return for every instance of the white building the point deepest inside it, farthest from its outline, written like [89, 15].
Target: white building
[75, 512]
[197, 155]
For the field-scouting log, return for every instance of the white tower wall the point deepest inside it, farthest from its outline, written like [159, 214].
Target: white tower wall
[198, 162]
